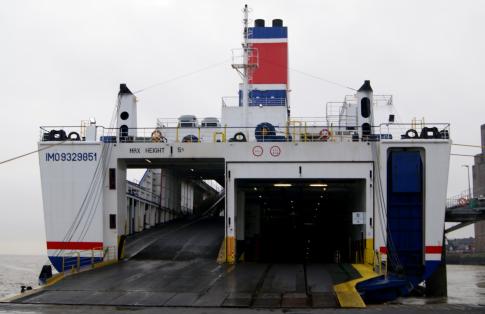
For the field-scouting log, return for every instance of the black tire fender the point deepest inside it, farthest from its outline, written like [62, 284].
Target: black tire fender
[413, 132]
[76, 136]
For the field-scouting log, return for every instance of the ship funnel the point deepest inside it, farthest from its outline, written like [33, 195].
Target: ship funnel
[277, 23]
[259, 23]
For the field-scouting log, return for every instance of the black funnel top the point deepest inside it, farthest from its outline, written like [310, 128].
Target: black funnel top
[277, 23]
[365, 87]
[259, 23]
[124, 89]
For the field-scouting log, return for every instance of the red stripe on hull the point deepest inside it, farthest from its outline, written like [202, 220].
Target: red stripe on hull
[52, 245]
[434, 249]
[428, 249]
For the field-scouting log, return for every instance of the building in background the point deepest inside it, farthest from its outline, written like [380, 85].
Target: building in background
[479, 191]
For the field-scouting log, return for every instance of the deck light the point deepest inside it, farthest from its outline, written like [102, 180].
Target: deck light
[282, 184]
[318, 185]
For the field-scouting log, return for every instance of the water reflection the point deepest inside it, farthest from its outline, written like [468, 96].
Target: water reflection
[466, 284]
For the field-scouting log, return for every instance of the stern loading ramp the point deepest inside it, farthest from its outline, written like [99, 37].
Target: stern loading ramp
[286, 257]
[179, 268]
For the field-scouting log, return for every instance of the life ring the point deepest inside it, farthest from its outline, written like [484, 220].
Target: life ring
[463, 201]
[325, 134]
[158, 137]
[76, 136]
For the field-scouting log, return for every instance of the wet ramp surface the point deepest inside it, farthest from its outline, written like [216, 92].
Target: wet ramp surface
[197, 239]
[179, 268]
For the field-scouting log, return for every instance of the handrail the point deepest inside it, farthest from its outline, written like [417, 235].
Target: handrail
[294, 130]
[87, 258]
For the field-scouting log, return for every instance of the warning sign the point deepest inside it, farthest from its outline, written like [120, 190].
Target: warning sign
[257, 151]
[275, 151]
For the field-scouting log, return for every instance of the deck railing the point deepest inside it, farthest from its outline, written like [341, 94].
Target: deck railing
[76, 260]
[467, 198]
[298, 130]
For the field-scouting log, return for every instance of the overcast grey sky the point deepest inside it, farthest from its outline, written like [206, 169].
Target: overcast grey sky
[62, 62]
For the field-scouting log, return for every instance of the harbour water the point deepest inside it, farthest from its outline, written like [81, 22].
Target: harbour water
[19, 270]
[466, 283]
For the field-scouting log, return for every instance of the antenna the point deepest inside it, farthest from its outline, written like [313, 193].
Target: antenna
[244, 61]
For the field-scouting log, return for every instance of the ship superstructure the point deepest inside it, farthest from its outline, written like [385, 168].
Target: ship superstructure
[344, 189]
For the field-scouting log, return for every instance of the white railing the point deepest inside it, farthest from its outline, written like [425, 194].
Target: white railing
[233, 101]
[240, 61]
[297, 130]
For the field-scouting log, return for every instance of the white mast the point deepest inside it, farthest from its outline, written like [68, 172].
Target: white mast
[245, 76]
[245, 67]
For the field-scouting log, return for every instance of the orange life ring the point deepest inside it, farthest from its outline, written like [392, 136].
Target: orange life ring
[158, 137]
[325, 134]
[463, 201]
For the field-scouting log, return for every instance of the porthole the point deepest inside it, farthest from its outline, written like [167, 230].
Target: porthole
[124, 115]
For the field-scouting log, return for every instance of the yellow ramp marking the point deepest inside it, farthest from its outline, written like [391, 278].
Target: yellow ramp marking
[221, 257]
[230, 250]
[347, 294]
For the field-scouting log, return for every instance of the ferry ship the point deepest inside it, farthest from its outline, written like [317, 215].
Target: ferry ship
[345, 189]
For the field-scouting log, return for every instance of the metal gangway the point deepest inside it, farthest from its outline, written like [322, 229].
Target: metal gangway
[465, 208]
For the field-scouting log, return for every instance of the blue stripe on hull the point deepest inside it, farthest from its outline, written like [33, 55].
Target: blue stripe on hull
[430, 268]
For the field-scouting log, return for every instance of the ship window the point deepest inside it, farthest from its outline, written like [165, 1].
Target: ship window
[124, 115]
[366, 129]
[365, 107]
[112, 178]
[112, 221]
[123, 131]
